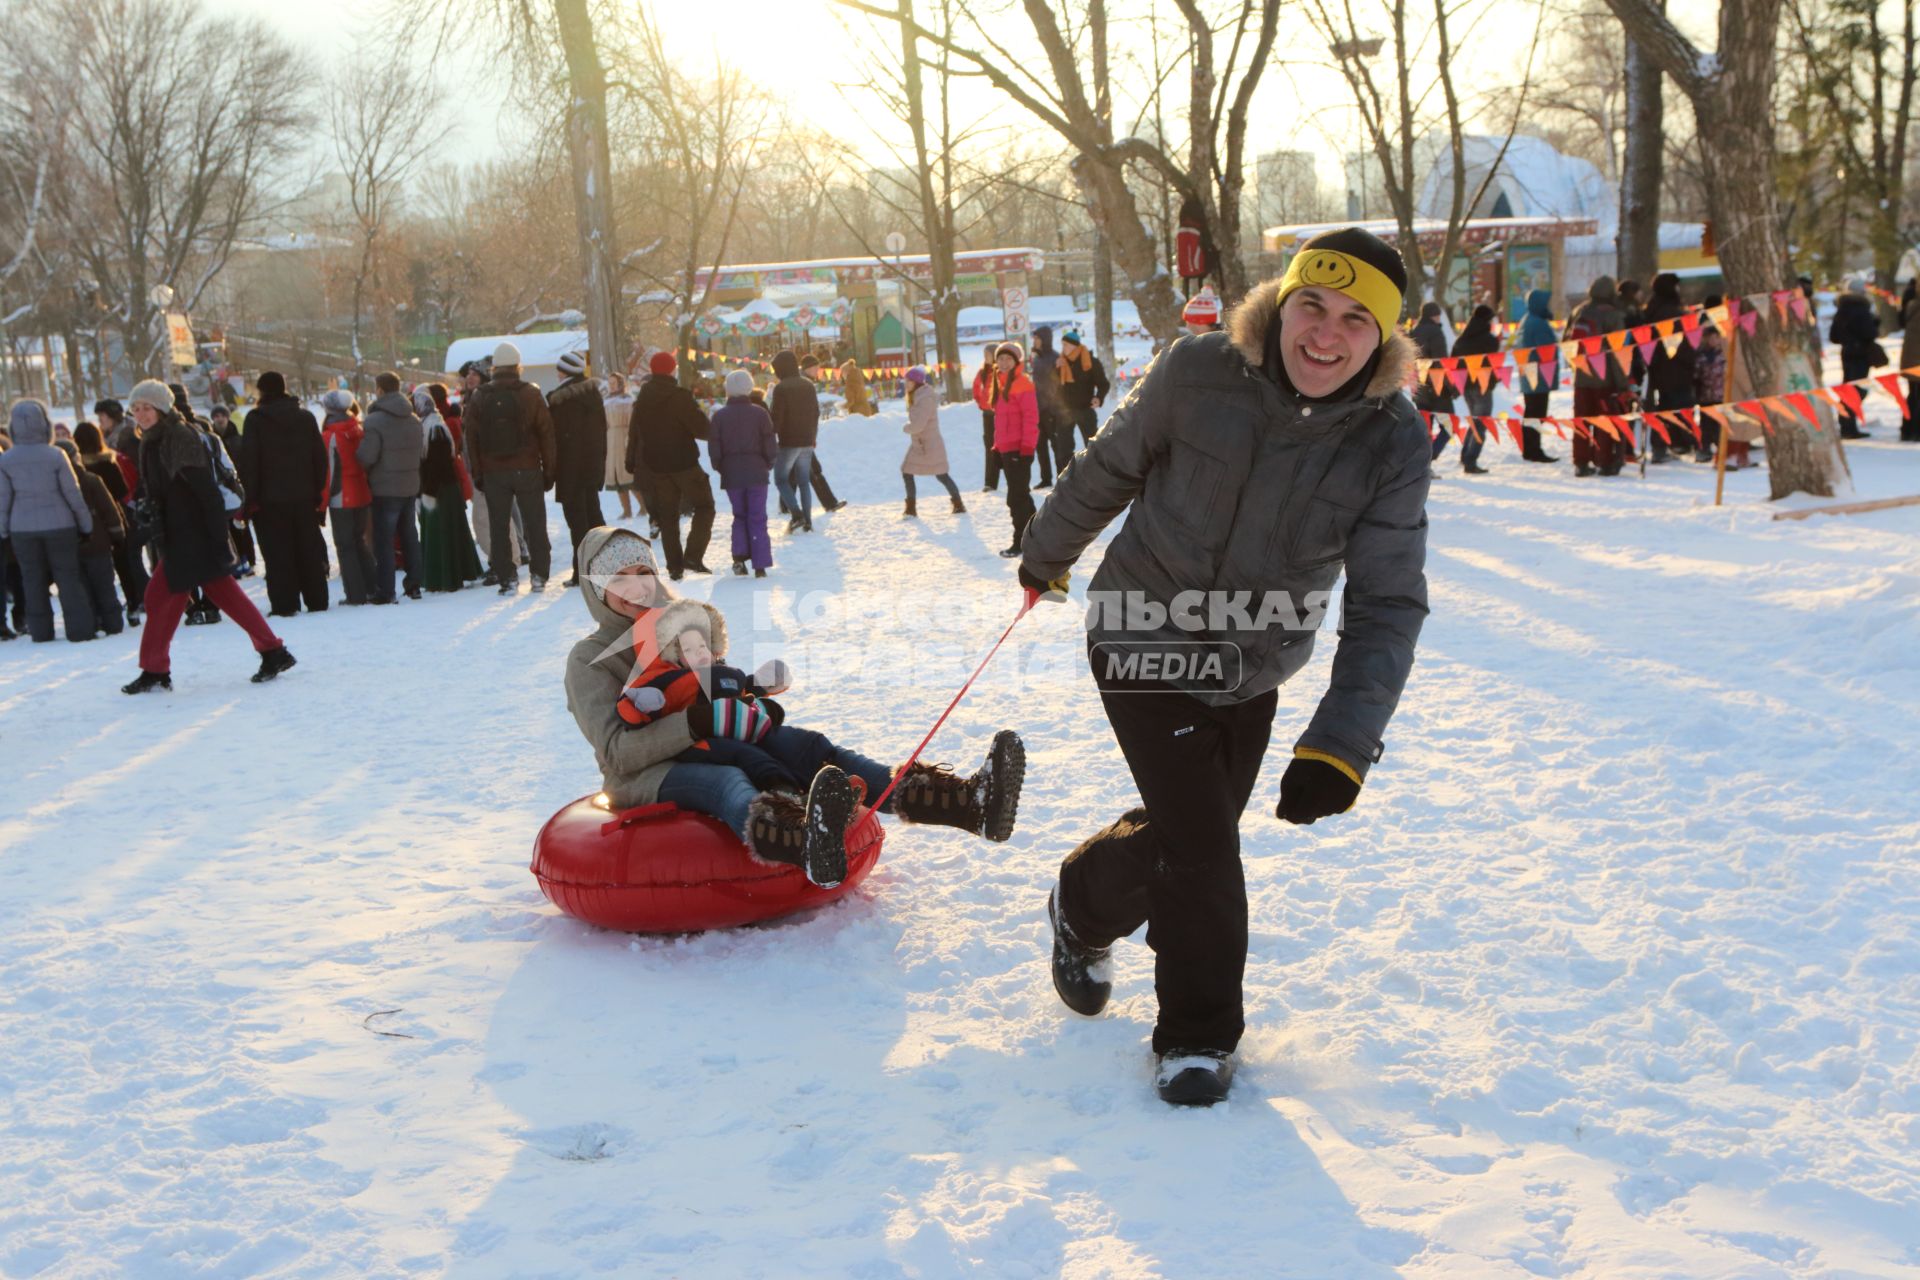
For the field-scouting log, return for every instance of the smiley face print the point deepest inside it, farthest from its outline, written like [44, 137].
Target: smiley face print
[1327, 270]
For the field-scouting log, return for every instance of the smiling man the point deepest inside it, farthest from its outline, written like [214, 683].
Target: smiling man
[1254, 465]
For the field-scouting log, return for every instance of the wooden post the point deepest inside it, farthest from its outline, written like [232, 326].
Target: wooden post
[1726, 427]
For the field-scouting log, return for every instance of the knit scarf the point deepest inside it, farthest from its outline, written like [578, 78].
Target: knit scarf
[1072, 353]
[171, 446]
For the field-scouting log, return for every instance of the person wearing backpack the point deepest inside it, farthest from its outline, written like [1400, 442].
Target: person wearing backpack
[390, 453]
[514, 464]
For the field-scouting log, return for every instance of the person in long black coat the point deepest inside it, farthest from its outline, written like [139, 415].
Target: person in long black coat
[181, 503]
[1856, 330]
[283, 467]
[580, 445]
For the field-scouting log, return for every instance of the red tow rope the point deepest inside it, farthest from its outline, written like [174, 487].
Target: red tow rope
[901, 772]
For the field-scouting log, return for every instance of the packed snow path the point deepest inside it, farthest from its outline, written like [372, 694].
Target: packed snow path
[1615, 970]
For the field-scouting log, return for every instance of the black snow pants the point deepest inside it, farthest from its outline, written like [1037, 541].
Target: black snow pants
[1173, 864]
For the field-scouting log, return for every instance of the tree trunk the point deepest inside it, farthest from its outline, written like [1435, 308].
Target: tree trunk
[1637, 247]
[592, 183]
[1111, 203]
[1732, 96]
[1102, 299]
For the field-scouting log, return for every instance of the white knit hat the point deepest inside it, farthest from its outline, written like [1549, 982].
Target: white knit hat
[506, 354]
[625, 547]
[739, 383]
[573, 362]
[153, 392]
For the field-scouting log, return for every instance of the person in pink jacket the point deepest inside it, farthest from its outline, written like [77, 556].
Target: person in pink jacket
[1016, 434]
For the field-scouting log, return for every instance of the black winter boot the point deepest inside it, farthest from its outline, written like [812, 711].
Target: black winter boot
[272, 663]
[148, 682]
[1083, 975]
[1194, 1077]
[811, 836]
[984, 803]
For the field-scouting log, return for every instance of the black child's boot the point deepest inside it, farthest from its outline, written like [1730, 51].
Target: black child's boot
[984, 803]
[1083, 975]
[810, 835]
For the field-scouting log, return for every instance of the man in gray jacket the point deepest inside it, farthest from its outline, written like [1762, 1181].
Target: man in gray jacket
[390, 454]
[1253, 465]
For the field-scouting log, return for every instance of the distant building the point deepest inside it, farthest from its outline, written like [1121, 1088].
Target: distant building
[1287, 188]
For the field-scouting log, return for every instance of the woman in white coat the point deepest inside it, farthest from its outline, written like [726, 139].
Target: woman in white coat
[619, 403]
[927, 455]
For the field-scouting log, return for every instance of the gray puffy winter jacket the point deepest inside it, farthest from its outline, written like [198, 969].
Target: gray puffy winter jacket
[39, 492]
[390, 451]
[1243, 505]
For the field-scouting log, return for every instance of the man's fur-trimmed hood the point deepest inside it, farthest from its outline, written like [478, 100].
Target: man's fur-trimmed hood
[1247, 326]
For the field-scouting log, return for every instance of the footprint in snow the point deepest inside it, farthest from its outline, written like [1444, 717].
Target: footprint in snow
[583, 1142]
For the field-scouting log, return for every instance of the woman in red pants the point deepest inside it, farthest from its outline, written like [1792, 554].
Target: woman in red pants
[189, 522]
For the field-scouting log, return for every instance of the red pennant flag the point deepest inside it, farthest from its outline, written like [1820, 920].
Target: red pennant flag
[1890, 382]
[1642, 334]
[1458, 377]
[1459, 432]
[1690, 322]
[1850, 396]
[1581, 426]
[1755, 409]
[1659, 428]
[1543, 372]
[1559, 428]
[1804, 403]
[1780, 299]
[1590, 345]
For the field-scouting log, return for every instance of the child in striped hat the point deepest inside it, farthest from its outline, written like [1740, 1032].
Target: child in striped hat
[1202, 314]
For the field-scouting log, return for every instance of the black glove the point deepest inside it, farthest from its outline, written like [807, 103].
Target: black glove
[1313, 789]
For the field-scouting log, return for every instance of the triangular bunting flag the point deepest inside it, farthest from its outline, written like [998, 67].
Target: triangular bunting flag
[1659, 428]
[1890, 382]
[1624, 358]
[1646, 351]
[1505, 373]
[1515, 429]
[1849, 396]
[1804, 403]
[1458, 377]
[1672, 343]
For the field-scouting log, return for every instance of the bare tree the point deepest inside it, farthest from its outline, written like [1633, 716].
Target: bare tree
[1866, 78]
[541, 33]
[698, 144]
[1732, 95]
[1396, 116]
[381, 137]
[169, 165]
[1638, 241]
[1075, 99]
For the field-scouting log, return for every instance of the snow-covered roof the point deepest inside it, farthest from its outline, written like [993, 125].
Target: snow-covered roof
[1537, 180]
[1051, 308]
[537, 350]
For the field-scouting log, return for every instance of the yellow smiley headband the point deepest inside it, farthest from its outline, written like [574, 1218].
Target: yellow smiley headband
[1365, 283]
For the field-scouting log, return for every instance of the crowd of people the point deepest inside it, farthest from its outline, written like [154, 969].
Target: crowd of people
[1681, 377]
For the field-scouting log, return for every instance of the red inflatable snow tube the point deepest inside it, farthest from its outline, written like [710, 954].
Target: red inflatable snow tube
[661, 869]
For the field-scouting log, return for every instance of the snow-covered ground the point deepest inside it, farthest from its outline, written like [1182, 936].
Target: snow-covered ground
[1615, 970]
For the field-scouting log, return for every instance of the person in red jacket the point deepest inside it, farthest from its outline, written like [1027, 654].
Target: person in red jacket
[349, 499]
[1016, 434]
[983, 396]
